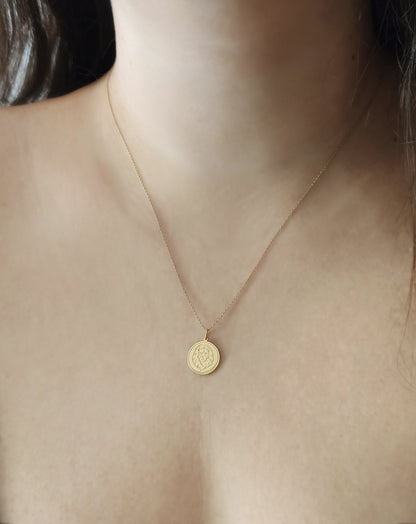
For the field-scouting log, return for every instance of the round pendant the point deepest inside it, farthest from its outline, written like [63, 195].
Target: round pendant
[203, 357]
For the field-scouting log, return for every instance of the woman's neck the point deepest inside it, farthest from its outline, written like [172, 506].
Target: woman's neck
[218, 91]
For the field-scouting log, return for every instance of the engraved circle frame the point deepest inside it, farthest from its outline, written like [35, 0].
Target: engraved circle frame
[213, 353]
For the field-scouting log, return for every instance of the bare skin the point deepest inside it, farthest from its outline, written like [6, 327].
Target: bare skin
[307, 418]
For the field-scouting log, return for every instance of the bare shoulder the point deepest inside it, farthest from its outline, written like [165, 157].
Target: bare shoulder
[29, 128]
[44, 147]
[37, 131]
[20, 132]
[14, 149]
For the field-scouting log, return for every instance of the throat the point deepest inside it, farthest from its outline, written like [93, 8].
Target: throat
[226, 90]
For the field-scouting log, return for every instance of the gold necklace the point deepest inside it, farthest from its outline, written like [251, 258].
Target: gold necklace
[204, 356]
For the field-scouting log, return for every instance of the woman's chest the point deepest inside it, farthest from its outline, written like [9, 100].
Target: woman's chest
[306, 419]
[101, 427]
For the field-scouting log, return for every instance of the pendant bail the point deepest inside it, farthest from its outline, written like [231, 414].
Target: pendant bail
[206, 334]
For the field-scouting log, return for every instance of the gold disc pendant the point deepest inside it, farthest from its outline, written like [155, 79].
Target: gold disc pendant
[203, 357]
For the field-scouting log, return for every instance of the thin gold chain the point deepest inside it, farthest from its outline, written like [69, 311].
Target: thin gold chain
[315, 179]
